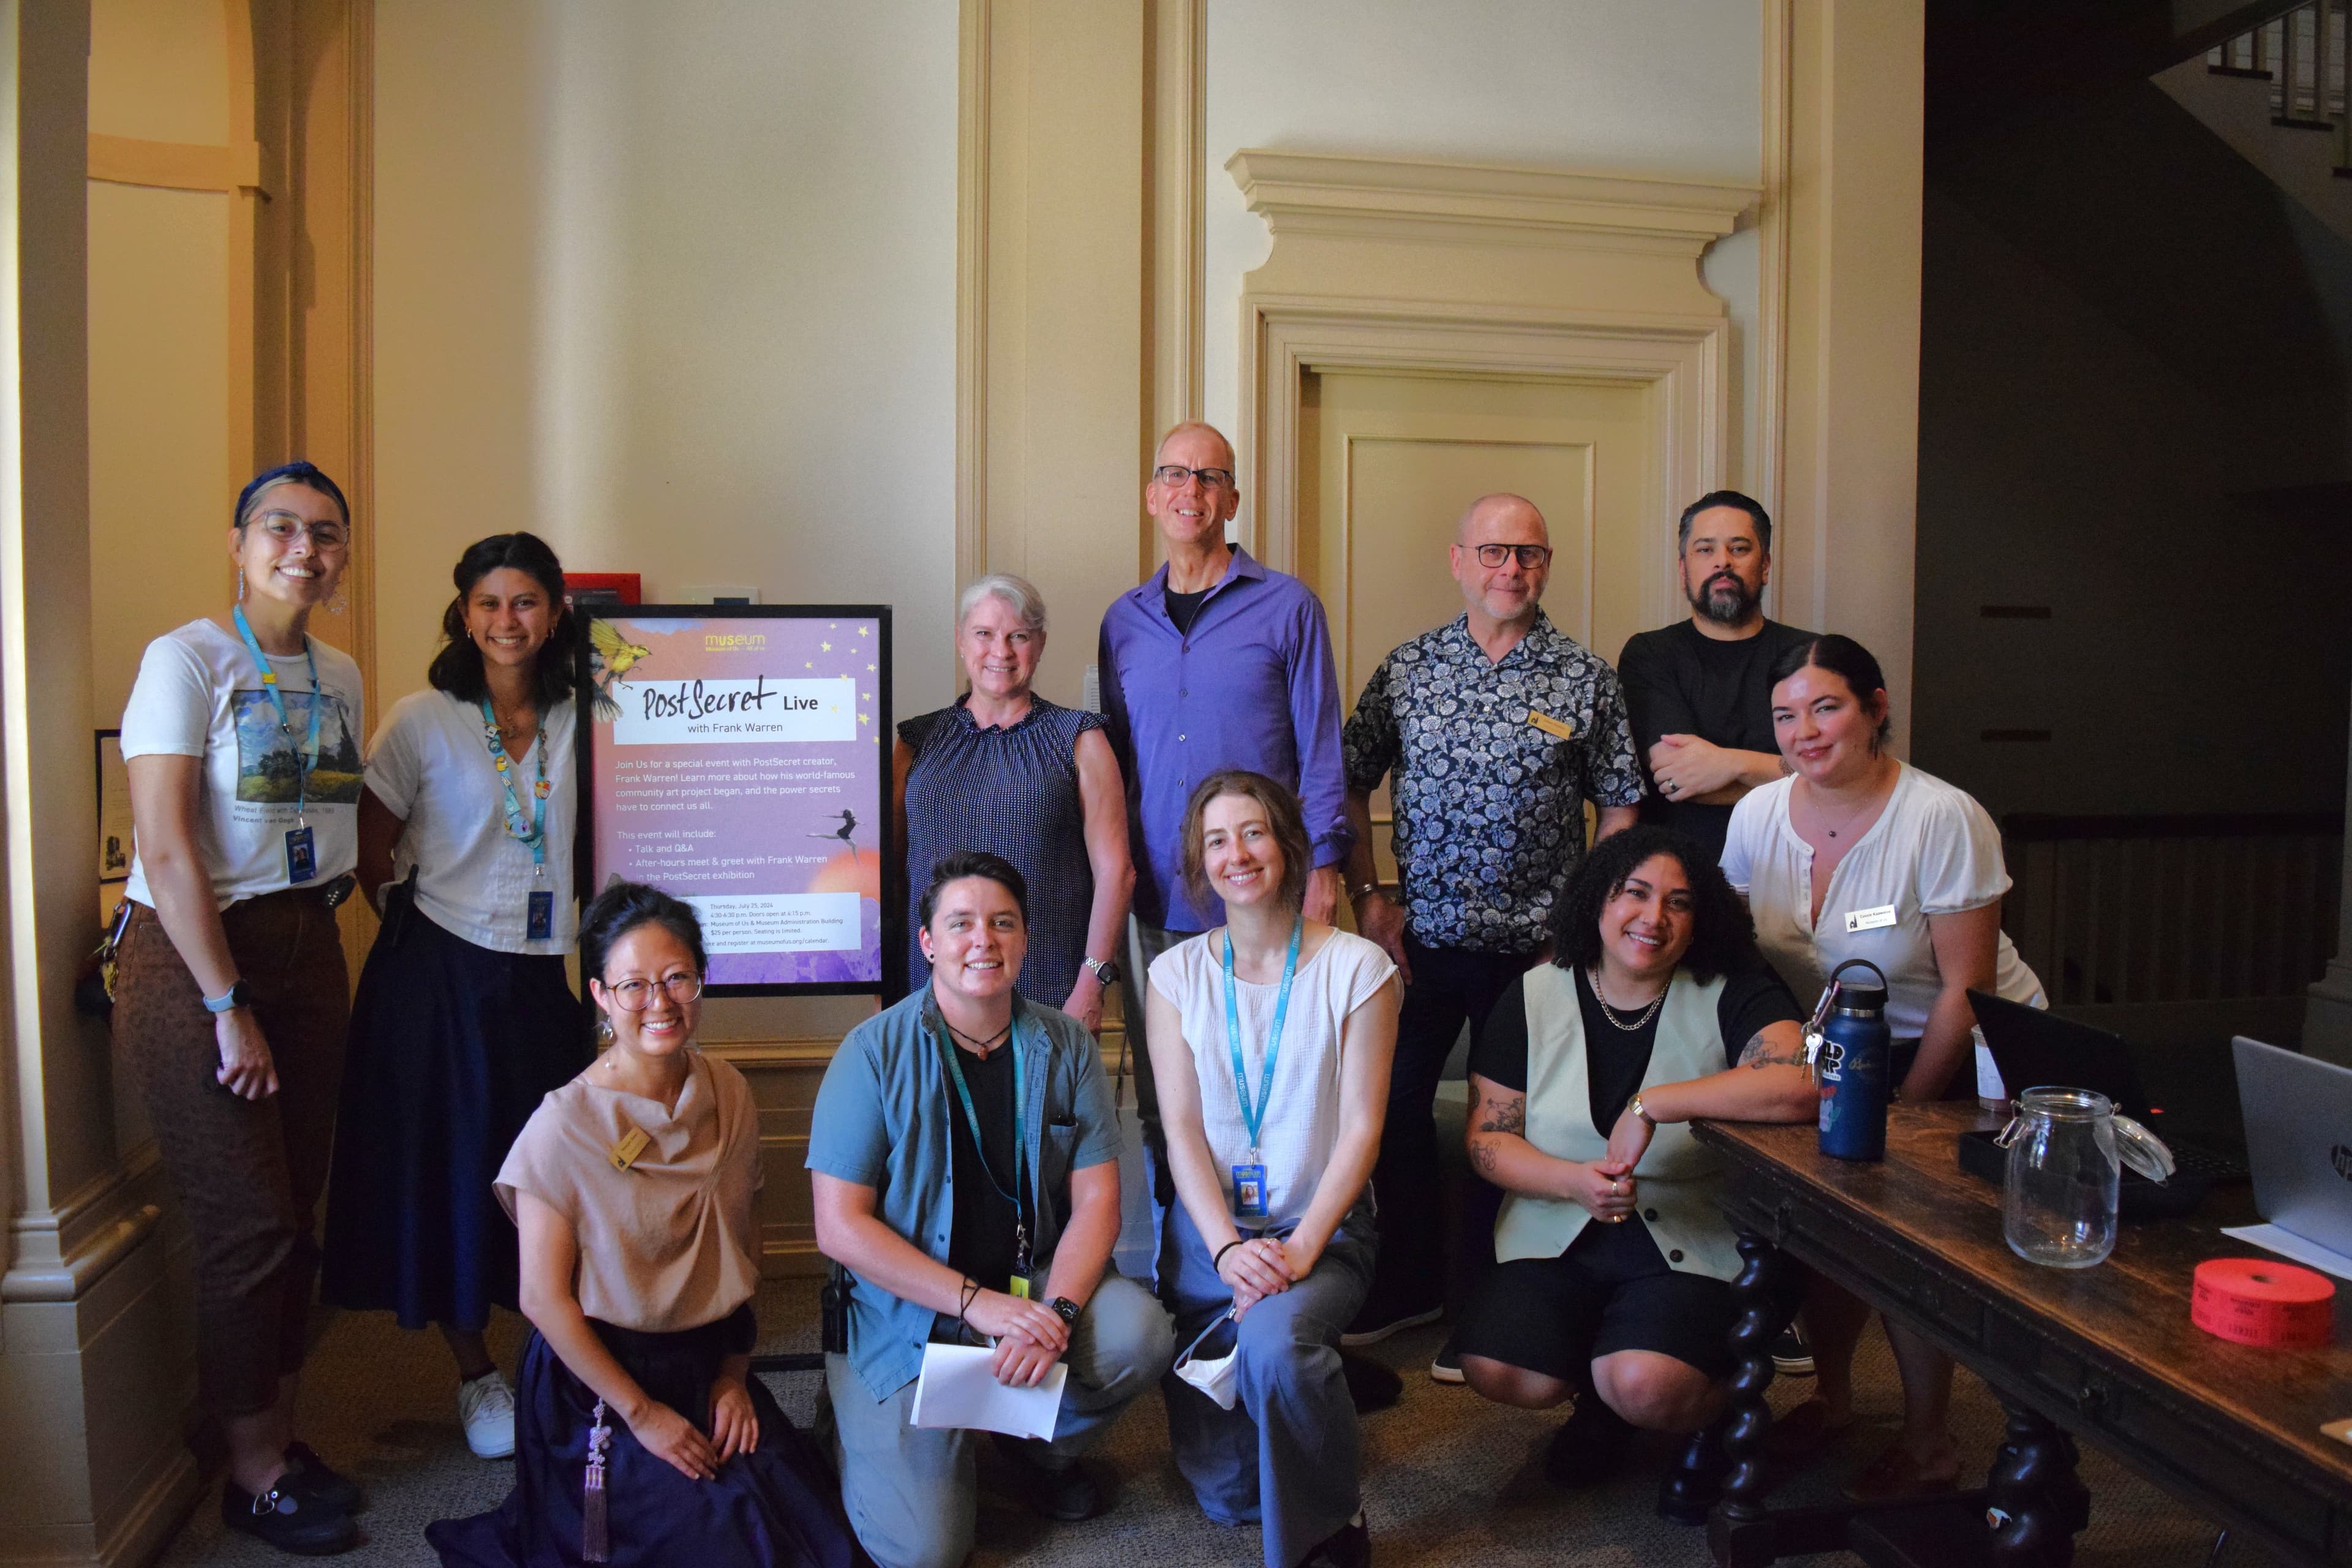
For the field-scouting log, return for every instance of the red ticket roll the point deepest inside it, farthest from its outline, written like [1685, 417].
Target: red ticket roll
[2259, 1302]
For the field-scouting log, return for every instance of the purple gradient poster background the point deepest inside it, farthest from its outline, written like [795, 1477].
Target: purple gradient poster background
[736, 761]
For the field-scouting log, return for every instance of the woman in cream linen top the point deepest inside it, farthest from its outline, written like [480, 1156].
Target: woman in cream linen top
[632, 1186]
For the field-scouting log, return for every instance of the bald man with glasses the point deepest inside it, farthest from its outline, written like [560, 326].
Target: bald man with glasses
[1492, 731]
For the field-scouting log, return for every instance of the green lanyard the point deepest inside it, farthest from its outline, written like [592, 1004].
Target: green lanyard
[535, 836]
[979, 1150]
[285, 724]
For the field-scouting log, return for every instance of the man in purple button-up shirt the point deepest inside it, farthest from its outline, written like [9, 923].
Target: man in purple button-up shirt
[1216, 662]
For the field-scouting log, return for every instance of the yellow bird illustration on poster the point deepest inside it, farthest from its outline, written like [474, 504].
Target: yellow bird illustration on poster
[615, 655]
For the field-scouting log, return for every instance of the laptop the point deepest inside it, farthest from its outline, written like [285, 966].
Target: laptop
[2031, 1047]
[2299, 1139]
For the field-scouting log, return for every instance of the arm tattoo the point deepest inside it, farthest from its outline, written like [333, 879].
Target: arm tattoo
[1758, 1053]
[1483, 1157]
[1506, 1113]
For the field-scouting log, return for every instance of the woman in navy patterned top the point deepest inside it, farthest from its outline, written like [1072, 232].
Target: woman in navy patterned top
[1005, 771]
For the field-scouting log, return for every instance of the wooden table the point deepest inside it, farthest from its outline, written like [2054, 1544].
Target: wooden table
[2107, 1354]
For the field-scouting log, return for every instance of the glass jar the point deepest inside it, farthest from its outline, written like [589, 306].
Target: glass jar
[2066, 1148]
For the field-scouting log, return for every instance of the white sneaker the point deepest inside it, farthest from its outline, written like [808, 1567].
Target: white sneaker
[486, 1405]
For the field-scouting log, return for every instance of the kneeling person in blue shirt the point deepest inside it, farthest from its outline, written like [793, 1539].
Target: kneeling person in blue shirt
[964, 1156]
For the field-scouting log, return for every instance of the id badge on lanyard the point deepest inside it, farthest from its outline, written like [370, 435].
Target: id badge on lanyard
[301, 845]
[539, 921]
[301, 855]
[1249, 1178]
[540, 926]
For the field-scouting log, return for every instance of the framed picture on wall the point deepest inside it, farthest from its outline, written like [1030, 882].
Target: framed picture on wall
[738, 756]
[113, 809]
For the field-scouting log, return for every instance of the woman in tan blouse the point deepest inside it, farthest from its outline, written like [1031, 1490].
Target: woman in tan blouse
[640, 1435]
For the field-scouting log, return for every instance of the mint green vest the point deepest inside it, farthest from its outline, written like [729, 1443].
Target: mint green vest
[1675, 1184]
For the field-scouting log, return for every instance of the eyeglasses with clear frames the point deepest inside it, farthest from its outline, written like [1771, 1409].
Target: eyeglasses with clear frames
[1173, 476]
[1532, 557]
[636, 995]
[286, 528]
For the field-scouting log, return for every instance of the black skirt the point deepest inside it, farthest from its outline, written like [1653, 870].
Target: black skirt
[452, 1047]
[776, 1507]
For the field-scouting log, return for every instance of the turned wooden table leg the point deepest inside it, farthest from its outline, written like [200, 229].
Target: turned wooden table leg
[2038, 1503]
[1740, 1534]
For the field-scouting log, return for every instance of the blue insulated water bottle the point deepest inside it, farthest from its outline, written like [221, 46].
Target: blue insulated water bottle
[1849, 1045]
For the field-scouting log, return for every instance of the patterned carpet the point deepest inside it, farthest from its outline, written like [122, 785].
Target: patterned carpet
[1450, 1480]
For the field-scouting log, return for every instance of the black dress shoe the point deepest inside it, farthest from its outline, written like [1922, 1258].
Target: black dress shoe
[1590, 1447]
[309, 1476]
[1067, 1492]
[283, 1519]
[1349, 1546]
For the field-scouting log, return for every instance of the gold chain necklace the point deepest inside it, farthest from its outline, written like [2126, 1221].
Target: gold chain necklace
[1610, 1013]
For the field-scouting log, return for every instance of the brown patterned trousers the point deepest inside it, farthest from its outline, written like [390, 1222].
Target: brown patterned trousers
[249, 1172]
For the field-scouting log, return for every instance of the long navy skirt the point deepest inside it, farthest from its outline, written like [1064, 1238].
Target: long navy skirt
[452, 1047]
[778, 1505]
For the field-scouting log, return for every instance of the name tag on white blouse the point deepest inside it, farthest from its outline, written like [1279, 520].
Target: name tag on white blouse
[1870, 920]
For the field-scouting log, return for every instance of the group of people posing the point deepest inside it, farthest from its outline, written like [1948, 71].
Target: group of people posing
[1191, 844]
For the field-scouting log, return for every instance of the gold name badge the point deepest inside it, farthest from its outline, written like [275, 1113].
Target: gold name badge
[624, 1154]
[1552, 726]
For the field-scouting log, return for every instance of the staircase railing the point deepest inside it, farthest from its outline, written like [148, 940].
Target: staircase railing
[2307, 56]
[2211, 925]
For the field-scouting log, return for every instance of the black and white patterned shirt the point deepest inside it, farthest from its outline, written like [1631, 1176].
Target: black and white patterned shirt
[1489, 803]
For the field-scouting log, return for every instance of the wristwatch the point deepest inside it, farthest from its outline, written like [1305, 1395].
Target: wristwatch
[1634, 1105]
[1356, 893]
[1103, 969]
[1065, 1309]
[238, 994]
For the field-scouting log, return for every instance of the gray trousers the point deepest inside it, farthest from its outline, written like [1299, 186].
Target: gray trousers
[1285, 1455]
[912, 1492]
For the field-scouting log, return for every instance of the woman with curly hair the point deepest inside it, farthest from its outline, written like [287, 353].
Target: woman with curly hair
[1654, 1010]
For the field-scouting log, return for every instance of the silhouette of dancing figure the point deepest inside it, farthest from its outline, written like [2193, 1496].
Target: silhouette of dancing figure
[848, 826]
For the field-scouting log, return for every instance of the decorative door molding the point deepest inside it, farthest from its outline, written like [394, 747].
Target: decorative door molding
[1482, 269]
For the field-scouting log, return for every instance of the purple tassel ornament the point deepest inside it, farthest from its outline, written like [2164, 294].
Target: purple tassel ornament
[595, 1543]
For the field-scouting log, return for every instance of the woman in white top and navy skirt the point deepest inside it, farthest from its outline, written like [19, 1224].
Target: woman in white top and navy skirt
[1858, 854]
[1270, 1039]
[464, 1020]
[242, 736]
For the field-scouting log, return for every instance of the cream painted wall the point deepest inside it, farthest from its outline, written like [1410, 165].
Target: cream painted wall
[1667, 87]
[673, 287]
[160, 488]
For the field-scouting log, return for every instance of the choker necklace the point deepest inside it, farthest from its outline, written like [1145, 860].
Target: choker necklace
[982, 1047]
[1611, 1013]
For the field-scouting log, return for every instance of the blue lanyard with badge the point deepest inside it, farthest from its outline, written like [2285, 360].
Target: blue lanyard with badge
[540, 926]
[301, 847]
[1249, 1180]
[1019, 1284]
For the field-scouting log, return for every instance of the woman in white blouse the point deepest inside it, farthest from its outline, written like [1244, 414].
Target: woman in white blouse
[1271, 1040]
[464, 1018]
[1858, 854]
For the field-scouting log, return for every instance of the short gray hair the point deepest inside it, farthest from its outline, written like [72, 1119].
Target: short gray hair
[1018, 593]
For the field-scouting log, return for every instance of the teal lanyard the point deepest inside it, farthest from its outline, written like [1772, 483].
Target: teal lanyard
[979, 1148]
[1256, 1119]
[286, 725]
[535, 836]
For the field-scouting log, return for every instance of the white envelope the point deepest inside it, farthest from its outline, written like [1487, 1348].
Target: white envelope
[957, 1388]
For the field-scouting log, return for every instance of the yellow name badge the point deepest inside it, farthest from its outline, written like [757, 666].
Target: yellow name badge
[1552, 726]
[624, 1154]
[1019, 1288]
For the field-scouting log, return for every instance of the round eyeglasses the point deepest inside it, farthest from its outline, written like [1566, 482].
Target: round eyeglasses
[286, 528]
[636, 995]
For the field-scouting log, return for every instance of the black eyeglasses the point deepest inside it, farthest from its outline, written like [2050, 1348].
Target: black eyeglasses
[1532, 557]
[1173, 476]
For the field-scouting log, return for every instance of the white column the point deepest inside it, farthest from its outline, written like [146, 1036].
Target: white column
[94, 1366]
[2327, 1016]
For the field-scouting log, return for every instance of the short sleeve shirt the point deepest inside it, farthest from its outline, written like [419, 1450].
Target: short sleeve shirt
[1680, 681]
[1933, 851]
[430, 767]
[1489, 803]
[199, 694]
[1300, 1124]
